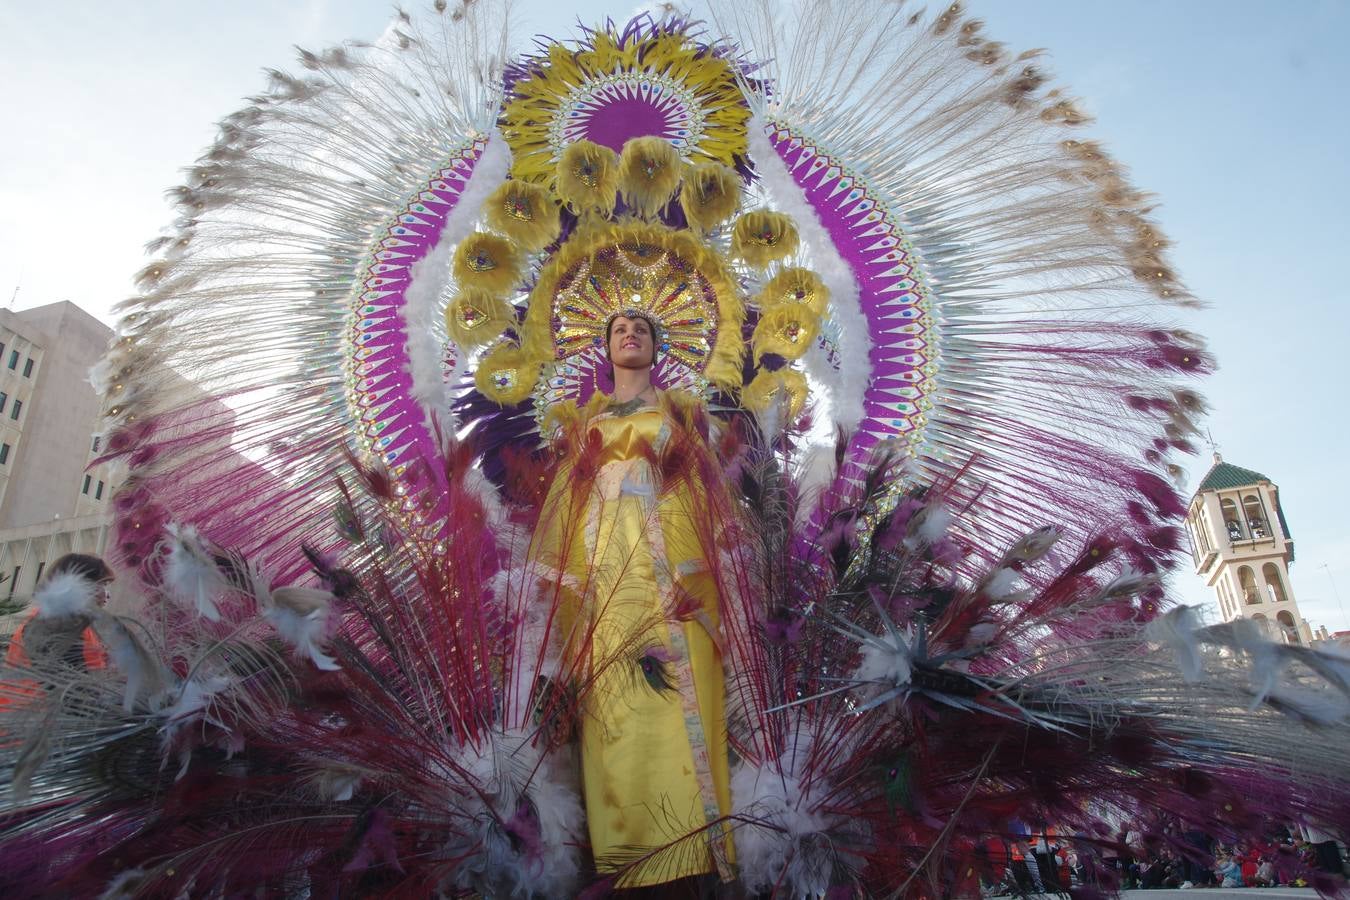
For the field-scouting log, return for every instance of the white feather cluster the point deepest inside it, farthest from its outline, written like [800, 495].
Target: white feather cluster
[847, 386]
[301, 616]
[144, 672]
[782, 843]
[494, 783]
[1001, 585]
[930, 525]
[194, 697]
[191, 704]
[886, 662]
[66, 594]
[191, 575]
[425, 296]
[1177, 629]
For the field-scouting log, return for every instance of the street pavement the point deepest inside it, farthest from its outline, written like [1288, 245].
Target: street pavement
[1251, 893]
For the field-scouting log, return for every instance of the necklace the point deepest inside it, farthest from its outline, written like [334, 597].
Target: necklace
[628, 407]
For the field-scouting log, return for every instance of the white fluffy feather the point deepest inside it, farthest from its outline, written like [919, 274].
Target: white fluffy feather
[143, 672]
[478, 484]
[1001, 584]
[506, 772]
[885, 662]
[191, 575]
[301, 616]
[1177, 630]
[778, 854]
[66, 594]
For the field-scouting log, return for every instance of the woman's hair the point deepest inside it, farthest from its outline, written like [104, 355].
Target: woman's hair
[609, 335]
[83, 564]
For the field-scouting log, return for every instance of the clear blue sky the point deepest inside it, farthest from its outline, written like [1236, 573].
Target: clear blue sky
[1234, 113]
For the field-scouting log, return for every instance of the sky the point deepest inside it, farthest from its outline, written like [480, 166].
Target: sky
[1232, 112]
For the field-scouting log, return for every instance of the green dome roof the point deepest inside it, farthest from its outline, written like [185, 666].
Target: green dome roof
[1226, 475]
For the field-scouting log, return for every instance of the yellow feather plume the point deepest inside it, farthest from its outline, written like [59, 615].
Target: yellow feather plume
[488, 262]
[785, 331]
[538, 100]
[710, 195]
[476, 318]
[801, 286]
[768, 388]
[649, 172]
[507, 375]
[588, 178]
[761, 237]
[525, 213]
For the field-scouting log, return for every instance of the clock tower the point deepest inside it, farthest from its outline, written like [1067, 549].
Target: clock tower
[1242, 547]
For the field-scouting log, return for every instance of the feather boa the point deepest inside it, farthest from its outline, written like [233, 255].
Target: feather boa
[427, 290]
[848, 386]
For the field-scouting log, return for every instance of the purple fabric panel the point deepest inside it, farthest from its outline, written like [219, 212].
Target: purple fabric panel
[621, 120]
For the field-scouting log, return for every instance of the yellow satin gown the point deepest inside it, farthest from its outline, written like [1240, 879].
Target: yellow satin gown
[639, 621]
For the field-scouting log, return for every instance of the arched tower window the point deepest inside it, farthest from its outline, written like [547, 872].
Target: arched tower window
[1232, 522]
[1287, 625]
[1274, 583]
[1247, 582]
[1256, 516]
[1263, 623]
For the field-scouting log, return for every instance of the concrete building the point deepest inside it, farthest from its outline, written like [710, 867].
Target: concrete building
[1242, 547]
[51, 500]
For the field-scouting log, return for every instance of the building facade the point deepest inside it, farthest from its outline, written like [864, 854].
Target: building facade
[1242, 547]
[52, 499]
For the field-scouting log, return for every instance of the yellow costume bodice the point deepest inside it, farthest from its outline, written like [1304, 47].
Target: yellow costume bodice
[643, 612]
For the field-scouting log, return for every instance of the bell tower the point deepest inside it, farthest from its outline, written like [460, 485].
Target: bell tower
[1242, 547]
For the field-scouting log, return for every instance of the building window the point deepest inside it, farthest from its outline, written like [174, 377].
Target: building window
[4, 398]
[98, 491]
[2, 350]
[87, 479]
[4, 454]
[14, 581]
[18, 407]
[1247, 583]
[1274, 583]
[1256, 519]
[13, 359]
[1287, 626]
[97, 441]
[28, 367]
[1231, 522]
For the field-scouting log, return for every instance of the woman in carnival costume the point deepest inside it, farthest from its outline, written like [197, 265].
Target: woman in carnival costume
[861, 572]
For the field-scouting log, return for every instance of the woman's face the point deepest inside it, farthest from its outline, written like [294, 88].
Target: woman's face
[631, 343]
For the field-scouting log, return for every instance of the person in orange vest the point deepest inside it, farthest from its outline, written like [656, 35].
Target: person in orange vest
[60, 628]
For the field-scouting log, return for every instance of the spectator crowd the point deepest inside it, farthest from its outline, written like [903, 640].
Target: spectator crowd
[1031, 860]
